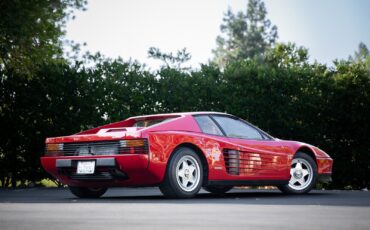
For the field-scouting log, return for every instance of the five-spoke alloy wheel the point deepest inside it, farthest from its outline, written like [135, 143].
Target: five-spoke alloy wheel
[184, 175]
[188, 173]
[303, 175]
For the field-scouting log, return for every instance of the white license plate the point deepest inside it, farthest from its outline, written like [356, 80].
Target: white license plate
[85, 167]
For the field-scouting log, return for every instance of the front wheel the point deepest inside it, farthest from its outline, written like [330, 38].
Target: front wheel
[83, 192]
[303, 175]
[184, 175]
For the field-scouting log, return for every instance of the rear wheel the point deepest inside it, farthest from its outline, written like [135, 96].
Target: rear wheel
[219, 190]
[184, 175]
[303, 175]
[83, 192]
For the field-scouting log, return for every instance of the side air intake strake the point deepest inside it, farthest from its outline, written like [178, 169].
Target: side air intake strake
[247, 163]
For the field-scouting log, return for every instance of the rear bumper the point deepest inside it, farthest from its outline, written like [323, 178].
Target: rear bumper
[106, 169]
[110, 171]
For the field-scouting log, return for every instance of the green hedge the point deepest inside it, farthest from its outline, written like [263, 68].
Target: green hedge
[327, 107]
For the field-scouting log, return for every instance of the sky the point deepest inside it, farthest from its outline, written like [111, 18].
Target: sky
[330, 29]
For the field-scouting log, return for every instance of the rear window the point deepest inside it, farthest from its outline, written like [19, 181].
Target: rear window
[149, 122]
[207, 125]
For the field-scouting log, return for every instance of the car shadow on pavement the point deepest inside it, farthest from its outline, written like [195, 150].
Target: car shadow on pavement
[152, 195]
[253, 197]
[246, 197]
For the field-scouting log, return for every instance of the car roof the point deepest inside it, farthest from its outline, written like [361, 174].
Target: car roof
[177, 114]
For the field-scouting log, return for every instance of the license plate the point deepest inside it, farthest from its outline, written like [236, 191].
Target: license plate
[85, 167]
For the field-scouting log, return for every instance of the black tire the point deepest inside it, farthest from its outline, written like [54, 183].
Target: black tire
[172, 186]
[311, 181]
[83, 192]
[218, 190]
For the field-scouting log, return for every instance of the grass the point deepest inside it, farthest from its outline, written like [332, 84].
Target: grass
[43, 183]
[48, 183]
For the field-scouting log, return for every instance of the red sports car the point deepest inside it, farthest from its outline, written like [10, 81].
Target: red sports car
[180, 153]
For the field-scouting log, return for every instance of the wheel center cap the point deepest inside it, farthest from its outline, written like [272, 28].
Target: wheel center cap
[187, 173]
[298, 174]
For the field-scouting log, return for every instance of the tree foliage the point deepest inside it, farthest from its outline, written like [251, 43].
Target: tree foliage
[31, 31]
[245, 35]
[287, 55]
[170, 60]
[361, 55]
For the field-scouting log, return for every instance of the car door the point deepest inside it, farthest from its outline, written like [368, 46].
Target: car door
[260, 156]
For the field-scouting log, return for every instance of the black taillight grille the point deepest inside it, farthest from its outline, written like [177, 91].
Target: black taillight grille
[134, 150]
[98, 148]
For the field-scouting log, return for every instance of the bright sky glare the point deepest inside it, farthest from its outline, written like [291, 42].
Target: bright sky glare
[330, 29]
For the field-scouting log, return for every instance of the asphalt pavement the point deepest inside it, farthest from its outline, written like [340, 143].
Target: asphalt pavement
[146, 208]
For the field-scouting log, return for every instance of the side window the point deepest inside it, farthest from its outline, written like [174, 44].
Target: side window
[207, 125]
[237, 129]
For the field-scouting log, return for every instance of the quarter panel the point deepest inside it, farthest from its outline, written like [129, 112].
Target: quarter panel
[323, 160]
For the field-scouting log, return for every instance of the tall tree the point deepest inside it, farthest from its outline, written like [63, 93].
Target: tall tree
[170, 60]
[31, 31]
[362, 52]
[245, 35]
[361, 55]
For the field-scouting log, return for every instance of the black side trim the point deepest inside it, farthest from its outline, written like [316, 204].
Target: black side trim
[247, 182]
[63, 163]
[105, 162]
[324, 178]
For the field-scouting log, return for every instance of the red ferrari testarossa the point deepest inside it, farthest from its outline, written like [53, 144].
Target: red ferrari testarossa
[181, 153]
